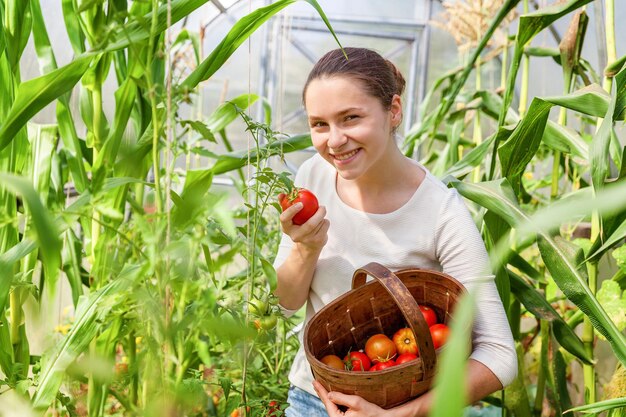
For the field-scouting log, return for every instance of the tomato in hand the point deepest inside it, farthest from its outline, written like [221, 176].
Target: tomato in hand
[380, 348]
[383, 365]
[405, 357]
[357, 361]
[439, 333]
[429, 315]
[333, 361]
[404, 339]
[299, 195]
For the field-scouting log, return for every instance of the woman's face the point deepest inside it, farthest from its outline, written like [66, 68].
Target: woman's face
[350, 128]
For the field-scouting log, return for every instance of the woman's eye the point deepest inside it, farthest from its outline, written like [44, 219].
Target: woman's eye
[318, 124]
[352, 117]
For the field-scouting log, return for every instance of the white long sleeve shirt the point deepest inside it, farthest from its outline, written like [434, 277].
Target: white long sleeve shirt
[433, 230]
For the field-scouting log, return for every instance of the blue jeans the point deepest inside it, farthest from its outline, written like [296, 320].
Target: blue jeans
[303, 404]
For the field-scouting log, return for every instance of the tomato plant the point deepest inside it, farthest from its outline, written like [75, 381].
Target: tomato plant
[300, 195]
[380, 348]
[405, 357]
[404, 339]
[429, 315]
[333, 361]
[439, 333]
[357, 361]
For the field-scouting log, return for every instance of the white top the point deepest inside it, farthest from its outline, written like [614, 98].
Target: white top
[433, 230]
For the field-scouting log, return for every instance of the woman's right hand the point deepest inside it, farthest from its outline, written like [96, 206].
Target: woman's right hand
[313, 234]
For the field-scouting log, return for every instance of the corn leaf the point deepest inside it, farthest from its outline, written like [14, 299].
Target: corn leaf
[449, 384]
[542, 309]
[91, 316]
[46, 230]
[560, 258]
[33, 95]
[237, 35]
[600, 406]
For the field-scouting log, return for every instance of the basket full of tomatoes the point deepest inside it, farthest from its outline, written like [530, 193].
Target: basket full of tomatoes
[380, 339]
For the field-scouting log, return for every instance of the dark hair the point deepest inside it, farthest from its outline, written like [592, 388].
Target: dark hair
[379, 76]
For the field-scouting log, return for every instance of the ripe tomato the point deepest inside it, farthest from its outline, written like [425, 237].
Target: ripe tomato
[299, 195]
[404, 340]
[439, 333]
[429, 315]
[383, 365]
[405, 357]
[333, 361]
[357, 361]
[380, 348]
[273, 409]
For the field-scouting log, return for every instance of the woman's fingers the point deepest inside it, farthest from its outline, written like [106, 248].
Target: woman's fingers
[331, 408]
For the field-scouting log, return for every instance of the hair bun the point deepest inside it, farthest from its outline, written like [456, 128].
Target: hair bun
[400, 81]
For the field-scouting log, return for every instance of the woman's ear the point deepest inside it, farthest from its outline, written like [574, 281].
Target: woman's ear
[396, 110]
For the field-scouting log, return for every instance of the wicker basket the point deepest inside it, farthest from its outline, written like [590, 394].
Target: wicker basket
[383, 305]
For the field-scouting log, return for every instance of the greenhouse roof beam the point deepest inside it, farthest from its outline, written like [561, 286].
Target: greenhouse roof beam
[396, 23]
[379, 35]
[219, 6]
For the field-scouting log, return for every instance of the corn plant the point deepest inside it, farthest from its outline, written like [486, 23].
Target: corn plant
[529, 219]
[152, 254]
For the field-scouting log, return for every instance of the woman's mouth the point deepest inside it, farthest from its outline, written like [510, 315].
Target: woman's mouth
[343, 157]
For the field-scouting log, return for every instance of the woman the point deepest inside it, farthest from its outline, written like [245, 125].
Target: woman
[378, 205]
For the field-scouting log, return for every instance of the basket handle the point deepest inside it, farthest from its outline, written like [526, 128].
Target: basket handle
[408, 306]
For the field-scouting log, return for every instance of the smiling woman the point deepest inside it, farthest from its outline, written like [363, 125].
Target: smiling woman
[370, 195]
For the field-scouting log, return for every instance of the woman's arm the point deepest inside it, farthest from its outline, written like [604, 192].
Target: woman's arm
[294, 275]
[480, 382]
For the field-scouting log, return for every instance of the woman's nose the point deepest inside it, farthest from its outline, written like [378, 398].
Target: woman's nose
[336, 137]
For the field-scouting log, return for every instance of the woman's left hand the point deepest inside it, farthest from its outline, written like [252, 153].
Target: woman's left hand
[356, 406]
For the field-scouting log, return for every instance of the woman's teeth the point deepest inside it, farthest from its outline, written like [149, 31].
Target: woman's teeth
[344, 156]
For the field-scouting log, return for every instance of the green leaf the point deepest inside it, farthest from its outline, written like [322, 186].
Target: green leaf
[33, 95]
[562, 260]
[542, 309]
[91, 316]
[47, 232]
[237, 35]
[235, 160]
[523, 143]
[600, 406]
[613, 300]
[270, 273]
[599, 150]
[227, 112]
[558, 255]
[592, 100]
[137, 31]
[449, 383]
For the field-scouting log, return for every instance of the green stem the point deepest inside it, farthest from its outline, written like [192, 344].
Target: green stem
[523, 99]
[16, 317]
[477, 134]
[588, 337]
[133, 367]
[544, 331]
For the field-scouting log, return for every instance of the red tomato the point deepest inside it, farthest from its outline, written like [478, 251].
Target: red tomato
[273, 409]
[333, 361]
[300, 195]
[380, 348]
[404, 340]
[439, 333]
[383, 365]
[357, 361]
[429, 315]
[405, 357]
